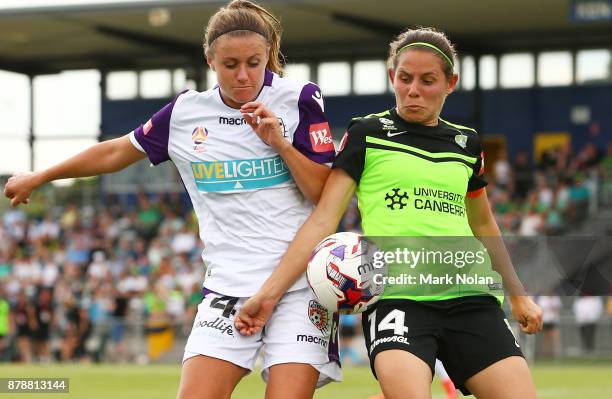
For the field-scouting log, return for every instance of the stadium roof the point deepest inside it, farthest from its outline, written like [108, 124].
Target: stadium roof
[142, 34]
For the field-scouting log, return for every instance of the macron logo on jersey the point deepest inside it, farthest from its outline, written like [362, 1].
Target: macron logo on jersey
[320, 137]
[319, 99]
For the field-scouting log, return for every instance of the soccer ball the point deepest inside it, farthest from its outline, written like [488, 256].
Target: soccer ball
[341, 274]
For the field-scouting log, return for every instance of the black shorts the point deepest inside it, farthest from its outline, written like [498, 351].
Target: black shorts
[467, 334]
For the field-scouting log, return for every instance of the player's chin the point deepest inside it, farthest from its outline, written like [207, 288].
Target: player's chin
[244, 95]
[416, 115]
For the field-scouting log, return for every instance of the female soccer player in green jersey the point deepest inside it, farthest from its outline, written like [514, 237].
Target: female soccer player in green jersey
[417, 175]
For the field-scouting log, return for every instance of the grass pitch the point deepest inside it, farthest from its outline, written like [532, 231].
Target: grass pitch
[559, 381]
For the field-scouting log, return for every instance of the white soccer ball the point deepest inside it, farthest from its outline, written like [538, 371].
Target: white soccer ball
[341, 274]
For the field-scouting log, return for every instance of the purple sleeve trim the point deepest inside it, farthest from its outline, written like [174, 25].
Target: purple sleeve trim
[153, 136]
[268, 77]
[319, 147]
[333, 354]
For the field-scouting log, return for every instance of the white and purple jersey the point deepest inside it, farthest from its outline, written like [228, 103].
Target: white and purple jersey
[248, 206]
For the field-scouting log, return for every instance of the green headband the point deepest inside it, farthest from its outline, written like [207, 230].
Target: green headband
[427, 45]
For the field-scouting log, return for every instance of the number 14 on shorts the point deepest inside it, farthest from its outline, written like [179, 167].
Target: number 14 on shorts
[394, 320]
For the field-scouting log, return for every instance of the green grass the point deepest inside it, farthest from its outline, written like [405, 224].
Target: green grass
[566, 381]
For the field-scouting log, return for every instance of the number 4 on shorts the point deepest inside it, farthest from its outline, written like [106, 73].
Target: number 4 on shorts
[394, 320]
[225, 303]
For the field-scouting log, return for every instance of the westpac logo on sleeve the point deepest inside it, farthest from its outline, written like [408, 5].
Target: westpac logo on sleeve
[320, 137]
[239, 174]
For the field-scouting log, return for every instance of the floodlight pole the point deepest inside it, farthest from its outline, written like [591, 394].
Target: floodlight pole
[31, 133]
[477, 96]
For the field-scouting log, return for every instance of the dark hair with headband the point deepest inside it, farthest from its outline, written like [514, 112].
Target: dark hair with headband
[427, 39]
[243, 17]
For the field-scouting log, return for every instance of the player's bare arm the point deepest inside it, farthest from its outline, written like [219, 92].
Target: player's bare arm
[483, 225]
[105, 157]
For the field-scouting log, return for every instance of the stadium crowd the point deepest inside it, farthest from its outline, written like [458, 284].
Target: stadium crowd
[88, 283]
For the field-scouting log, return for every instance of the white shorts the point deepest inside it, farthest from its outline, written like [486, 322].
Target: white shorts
[299, 331]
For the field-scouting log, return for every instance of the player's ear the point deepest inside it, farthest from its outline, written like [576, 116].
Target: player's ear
[452, 83]
[209, 61]
[391, 75]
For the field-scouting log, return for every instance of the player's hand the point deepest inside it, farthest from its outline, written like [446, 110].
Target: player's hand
[265, 124]
[19, 187]
[254, 314]
[527, 313]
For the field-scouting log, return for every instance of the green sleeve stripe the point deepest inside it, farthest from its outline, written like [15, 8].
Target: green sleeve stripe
[380, 114]
[387, 143]
[458, 126]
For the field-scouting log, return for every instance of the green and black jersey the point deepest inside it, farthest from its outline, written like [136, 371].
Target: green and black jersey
[412, 181]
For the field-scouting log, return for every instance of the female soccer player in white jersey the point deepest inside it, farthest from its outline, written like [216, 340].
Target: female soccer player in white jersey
[253, 153]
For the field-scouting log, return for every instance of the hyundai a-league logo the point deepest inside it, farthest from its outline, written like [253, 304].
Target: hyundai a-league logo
[398, 200]
[199, 136]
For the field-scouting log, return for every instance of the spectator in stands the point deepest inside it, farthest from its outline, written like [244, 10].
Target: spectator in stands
[606, 172]
[565, 162]
[70, 217]
[42, 323]
[99, 268]
[588, 158]
[48, 269]
[548, 159]
[23, 312]
[579, 200]
[587, 312]
[5, 325]
[6, 267]
[502, 170]
[118, 324]
[551, 308]
[85, 330]
[349, 325]
[523, 176]
[185, 241]
[553, 218]
[531, 223]
[160, 334]
[71, 330]
[149, 217]
[100, 311]
[79, 247]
